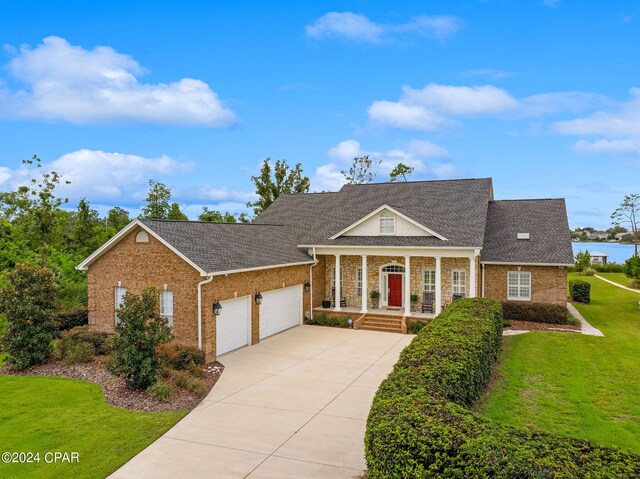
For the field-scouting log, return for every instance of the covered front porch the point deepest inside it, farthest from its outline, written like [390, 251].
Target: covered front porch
[356, 311]
[393, 281]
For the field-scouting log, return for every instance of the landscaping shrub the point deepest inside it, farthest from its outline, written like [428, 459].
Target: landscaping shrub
[608, 268]
[161, 391]
[177, 356]
[103, 342]
[588, 272]
[334, 321]
[419, 426]
[27, 302]
[632, 267]
[141, 330]
[580, 291]
[583, 261]
[79, 352]
[416, 326]
[634, 283]
[535, 312]
[195, 385]
[180, 379]
[66, 320]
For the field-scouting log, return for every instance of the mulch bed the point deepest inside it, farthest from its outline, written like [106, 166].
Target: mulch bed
[532, 326]
[115, 391]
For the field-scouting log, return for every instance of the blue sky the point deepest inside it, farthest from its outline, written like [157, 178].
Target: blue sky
[542, 96]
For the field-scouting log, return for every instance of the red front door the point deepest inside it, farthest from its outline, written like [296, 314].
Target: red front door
[395, 290]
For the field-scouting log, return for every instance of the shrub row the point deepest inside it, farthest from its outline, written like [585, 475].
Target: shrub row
[419, 425]
[535, 312]
[609, 268]
[81, 344]
[334, 321]
[416, 326]
[580, 290]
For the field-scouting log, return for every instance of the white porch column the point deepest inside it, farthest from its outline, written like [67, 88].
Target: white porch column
[472, 276]
[407, 285]
[365, 295]
[336, 283]
[438, 307]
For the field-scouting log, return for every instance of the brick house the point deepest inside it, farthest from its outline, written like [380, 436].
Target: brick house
[326, 252]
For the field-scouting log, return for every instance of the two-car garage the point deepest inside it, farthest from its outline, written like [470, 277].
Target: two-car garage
[281, 309]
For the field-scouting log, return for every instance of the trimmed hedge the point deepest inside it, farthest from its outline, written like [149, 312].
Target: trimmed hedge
[416, 326]
[535, 312]
[580, 290]
[334, 321]
[419, 425]
[71, 318]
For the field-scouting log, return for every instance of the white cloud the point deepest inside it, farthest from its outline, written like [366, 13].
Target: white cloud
[428, 159]
[67, 82]
[226, 194]
[623, 122]
[356, 27]
[436, 107]
[102, 176]
[630, 147]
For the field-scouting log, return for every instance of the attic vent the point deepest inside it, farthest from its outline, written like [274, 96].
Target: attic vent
[142, 237]
[523, 236]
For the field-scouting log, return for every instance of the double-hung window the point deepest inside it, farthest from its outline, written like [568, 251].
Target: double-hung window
[459, 281]
[387, 223]
[333, 278]
[429, 280]
[519, 286]
[119, 293]
[358, 282]
[166, 306]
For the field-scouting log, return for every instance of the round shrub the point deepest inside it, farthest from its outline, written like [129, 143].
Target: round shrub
[161, 391]
[588, 272]
[102, 342]
[66, 320]
[79, 352]
[580, 291]
[177, 356]
[416, 326]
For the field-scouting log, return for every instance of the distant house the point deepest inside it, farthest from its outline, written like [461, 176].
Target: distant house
[224, 285]
[599, 258]
[594, 235]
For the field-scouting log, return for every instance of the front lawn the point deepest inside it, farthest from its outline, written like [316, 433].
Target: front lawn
[40, 414]
[619, 278]
[583, 386]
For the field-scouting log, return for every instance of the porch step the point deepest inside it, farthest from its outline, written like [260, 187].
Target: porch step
[382, 323]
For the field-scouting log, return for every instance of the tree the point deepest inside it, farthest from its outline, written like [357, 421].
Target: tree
[363, 170]
[216, 216]
[175, 213]
[285, 180]
[35, 206]
[28, 302]
[117, 218]
[158, 198]
[632, 267]
[400, 171]
[629, 213]
[583, 261]
[140, 330]
[88, 231]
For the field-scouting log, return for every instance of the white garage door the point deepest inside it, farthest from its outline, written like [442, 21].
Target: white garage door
[233, 325]
[280, 309]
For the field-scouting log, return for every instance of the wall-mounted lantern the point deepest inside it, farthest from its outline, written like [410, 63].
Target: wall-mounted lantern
[217, 308]
[258, 298]
[307, 287]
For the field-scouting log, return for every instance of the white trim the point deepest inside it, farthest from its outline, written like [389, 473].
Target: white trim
[527, 264]
[208, 280]
[121, 234]
[258, 268]
[383, 283]
[519, 298]
[397, 213]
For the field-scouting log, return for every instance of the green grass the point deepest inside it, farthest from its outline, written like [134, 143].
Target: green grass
[619, 278]
[583, 386]
[41, 414]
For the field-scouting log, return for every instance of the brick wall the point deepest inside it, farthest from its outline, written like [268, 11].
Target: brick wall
[243, 284]
[138, 266]
[548, 283]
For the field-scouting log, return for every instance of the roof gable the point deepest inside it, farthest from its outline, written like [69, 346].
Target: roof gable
[369, 225]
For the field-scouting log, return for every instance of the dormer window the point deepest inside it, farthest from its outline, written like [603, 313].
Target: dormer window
[387, 223]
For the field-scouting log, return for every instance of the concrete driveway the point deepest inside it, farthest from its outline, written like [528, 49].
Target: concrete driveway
[294, 406]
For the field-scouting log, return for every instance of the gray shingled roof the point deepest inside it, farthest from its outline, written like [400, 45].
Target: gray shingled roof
[455, 209]
[217, 247]
[545, 220]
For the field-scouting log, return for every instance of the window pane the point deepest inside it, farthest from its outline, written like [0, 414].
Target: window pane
[359, 282]
[429, 280]
[166, 306]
